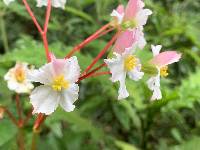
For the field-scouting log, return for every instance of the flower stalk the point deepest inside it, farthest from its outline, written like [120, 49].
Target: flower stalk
[89, 39]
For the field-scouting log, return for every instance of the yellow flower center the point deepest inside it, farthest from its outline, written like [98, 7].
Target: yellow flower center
[60, 83]
[130, 62]
[20, 74]
[164, 71]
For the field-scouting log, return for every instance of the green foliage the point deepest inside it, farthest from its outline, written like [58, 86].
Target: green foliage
[100, 121]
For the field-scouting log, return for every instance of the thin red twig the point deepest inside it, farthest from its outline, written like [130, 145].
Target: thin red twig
[91, 72]
[19, 108]
[10, 115]
[32, 16]
[99, 74]
[48, 14]
[88, 40]
[102, 52]
[40, 119]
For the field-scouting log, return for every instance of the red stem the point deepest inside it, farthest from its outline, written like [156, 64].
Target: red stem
[88, 40]
[32, 16]
[91, 72]
[40, 119]
[48, 14]
[10, 115]
[45, 42]
[102, 52]
[99, 74]
[19, 108]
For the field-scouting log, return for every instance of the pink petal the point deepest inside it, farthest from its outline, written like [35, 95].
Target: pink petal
[58, 65]
[125, 40]
[132, 8]
[166, 58]
[120, 9]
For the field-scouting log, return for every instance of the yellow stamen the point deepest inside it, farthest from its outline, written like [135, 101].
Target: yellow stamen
[20, 74]
[130, 62]
[164, 71]
[60, 83]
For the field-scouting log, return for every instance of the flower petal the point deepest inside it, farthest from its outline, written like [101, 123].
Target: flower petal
[156, 94]
[43, 75]
[131, 9]
[166, 58]
[156, 49]
[69, 97]
[116, 66]
[123, 93]
[55, 3]
[72, 69]
[136, 74]
[125, 40]
[44, 100]
[142, 16]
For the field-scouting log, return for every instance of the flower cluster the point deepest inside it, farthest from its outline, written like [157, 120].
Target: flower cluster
[60, 77]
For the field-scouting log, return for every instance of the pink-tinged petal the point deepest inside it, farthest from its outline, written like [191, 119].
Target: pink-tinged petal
[166, 58]
[120, 9]
[58, 65]
[132, 8]
[125, 40]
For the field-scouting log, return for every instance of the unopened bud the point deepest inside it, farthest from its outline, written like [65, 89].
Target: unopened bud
[149, 69]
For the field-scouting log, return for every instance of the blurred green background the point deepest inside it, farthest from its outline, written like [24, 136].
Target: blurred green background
[100, 122]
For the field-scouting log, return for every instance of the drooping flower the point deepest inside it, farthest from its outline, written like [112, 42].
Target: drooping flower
[161, 61]
[120, 66]
[59, 87]
[17, 78]
[55, 3]
[133, 18]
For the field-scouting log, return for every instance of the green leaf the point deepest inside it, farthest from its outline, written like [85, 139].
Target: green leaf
[7, 131]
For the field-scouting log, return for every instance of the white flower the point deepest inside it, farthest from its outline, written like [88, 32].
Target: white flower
[17, 78]
[55, 3]
[160, 60]
[123, 64]
[59, 87]
[7, 2]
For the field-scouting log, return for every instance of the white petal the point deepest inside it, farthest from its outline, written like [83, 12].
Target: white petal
[44, 100]
[156, 49]
[118, 16]
[156, 94]
[116, 66]
[153, 82]
[72, 69]
[123, 93]
[69, 96]
[43, 75]
[142, 16]
[55, 3]
[7, 2]
[135, 74]
[141, 40]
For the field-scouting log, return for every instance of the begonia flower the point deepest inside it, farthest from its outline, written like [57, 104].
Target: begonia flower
[120, 66]
[17, 78]
[58, 79]
[161, 61]
[133, 18]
